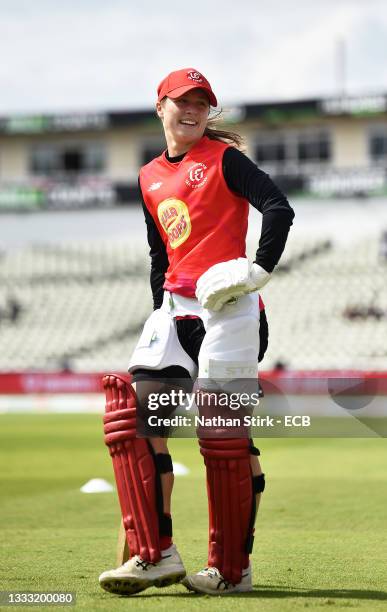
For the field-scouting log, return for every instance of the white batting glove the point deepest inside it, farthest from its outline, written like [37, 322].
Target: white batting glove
[227, 281]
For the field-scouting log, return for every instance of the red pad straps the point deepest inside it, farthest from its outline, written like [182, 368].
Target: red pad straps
[134, 469]
[230, 501]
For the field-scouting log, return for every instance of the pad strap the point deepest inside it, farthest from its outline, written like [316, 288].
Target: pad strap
[164, 463]
[259, 483]
[258, 486]
[254, 450]
[136, 471]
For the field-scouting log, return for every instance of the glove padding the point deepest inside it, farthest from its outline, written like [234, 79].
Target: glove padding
[227, 281]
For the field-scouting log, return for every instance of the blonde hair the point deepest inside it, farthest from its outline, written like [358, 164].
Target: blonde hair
[227, 136]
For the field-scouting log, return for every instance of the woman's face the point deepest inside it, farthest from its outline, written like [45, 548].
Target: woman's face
[185, 118]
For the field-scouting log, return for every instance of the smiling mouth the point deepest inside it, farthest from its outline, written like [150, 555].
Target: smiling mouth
[188, 122]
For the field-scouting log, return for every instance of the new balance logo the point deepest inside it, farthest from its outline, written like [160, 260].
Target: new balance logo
[154, 186]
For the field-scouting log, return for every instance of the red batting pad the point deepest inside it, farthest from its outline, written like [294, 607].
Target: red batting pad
[134, 469]
[230, 502]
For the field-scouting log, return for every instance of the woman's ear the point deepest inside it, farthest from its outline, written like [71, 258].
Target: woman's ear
[159, 110]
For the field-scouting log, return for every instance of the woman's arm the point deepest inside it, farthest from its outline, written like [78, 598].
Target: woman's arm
[158, 254]
[246, 179]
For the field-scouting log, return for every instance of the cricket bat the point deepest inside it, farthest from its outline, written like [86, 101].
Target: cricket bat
[122, 546]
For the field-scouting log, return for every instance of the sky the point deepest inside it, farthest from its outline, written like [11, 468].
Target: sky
[86, 55]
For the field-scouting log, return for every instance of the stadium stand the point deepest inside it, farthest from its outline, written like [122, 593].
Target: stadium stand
[307, 307]
[81, 306]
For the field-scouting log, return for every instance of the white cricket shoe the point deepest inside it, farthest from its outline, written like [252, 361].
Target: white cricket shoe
[136, 574]
[211, 582]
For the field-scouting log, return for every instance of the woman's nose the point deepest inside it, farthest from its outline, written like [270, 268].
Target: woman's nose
[190, 108]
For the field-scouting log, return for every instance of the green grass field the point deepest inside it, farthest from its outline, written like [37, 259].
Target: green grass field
[321, 533]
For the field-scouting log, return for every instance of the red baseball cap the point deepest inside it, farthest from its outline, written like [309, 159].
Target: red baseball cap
[179, 82]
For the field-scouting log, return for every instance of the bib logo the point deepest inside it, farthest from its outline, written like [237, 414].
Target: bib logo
[196, 176]
[174, 217]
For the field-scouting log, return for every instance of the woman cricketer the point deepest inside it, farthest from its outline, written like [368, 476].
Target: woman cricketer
[205, 327]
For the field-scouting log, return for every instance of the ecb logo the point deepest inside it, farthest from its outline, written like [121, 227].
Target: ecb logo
[196, 176]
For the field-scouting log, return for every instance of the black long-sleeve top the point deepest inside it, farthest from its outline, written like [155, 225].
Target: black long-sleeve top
[244, 178]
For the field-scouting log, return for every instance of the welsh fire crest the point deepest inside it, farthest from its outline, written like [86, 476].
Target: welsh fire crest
[197, 176]
[195, 76]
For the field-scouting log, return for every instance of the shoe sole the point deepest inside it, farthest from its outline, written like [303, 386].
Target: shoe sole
[203, 591]
[130, 586]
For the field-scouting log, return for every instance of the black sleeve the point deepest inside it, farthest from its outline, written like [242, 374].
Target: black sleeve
[246, 179]
[158, 254]
[263, 335]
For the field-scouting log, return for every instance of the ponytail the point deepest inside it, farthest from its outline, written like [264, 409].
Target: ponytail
[213, 133]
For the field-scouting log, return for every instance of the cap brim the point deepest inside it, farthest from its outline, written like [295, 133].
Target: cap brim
[180, 91]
